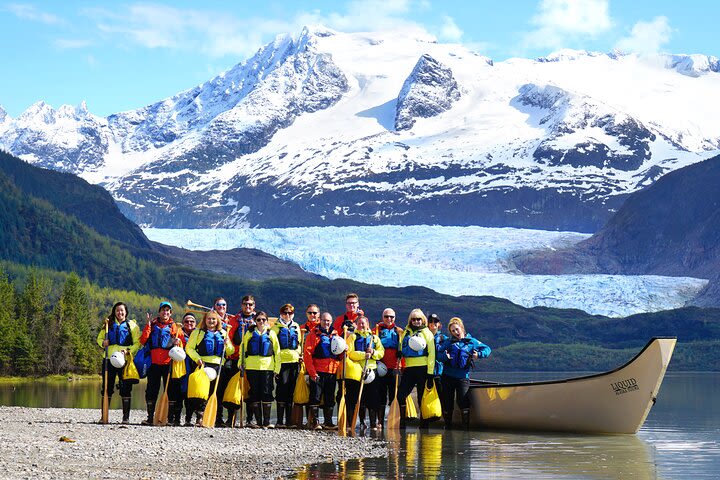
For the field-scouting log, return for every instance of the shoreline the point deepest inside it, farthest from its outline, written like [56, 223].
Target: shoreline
[31, 447]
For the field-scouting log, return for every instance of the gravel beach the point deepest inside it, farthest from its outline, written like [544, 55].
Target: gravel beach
[31, 446]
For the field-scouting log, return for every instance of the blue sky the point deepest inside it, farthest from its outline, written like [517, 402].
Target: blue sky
[119, 56]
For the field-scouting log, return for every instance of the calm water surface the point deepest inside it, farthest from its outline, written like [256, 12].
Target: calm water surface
[680, 439]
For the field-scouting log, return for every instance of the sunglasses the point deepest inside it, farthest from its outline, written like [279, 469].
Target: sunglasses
[188, 321]
[287, 313]
[248, 304]
[261, 319]
[313, 313]
[416, 318]
[221, 304]
[388, 316]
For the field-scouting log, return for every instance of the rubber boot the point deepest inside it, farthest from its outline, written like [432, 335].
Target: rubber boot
[465, 418]
[188, 414]
[126, 410]
[281, 415]
[249, 415]
[232, 414]
[381, 417]
[373, 419]
[447, 417]
[403, 417]
[219, 417]
[150, 412]
[266, 407]
[327, 419]
[175, 414]
[171, 412]
[254, 410]
[313, 420]
[363, 425]
[288, 415]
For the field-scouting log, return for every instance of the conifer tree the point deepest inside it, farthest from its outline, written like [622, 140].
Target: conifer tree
[7, 315]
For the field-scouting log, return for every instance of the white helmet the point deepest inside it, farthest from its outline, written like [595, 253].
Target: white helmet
[337, 345]
[117, 360]
[381, 369]
[369, 376]
[211, 373]
[417, 343]
[177, 354]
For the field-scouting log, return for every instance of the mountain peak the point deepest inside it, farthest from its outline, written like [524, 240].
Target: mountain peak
[692, 65]
[568, 54]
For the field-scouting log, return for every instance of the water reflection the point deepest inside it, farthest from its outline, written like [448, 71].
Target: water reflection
[460, 455]
[63, 393]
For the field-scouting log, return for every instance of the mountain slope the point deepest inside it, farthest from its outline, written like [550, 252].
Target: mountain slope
[670, 228]
[327, 128]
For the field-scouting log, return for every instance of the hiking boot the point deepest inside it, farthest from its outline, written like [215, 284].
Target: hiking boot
[327, 419]
[150, 412]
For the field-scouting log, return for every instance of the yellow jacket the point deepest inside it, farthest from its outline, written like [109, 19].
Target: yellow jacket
[355, 359]
[196, 337]
[423, 360]
[134, 333]
[289, 355]
[261, 362]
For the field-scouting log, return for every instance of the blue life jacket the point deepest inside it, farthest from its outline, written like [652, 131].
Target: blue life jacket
[259, 345]
[212, 344]
[440, 338]
[119, 334]
[288, 337]
[409, 352]
[388, 337]
[460, 352]
[160, 337]
[322, 349]
[362, 343]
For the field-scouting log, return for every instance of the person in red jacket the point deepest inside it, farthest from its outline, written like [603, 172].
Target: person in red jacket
[389, 335]
[322, 367]
[352, 312]
[162, 333]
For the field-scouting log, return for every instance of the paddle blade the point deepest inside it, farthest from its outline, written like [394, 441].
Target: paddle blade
[353, 421]
[161, 411]
[208, 420]
[393, 418]
[342, 418]
[105, 409]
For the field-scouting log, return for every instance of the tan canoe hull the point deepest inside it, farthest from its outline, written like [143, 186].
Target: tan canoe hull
[613, 402]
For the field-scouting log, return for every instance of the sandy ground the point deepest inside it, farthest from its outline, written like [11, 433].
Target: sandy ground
[31, 447]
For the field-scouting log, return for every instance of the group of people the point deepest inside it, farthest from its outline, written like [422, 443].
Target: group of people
[337, 354]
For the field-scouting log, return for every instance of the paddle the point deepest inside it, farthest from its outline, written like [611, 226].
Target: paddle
[357, 405]
[161, 410]
[105, 400]
[393, 419]
[208, 420]
[242, 378]
[342, 413]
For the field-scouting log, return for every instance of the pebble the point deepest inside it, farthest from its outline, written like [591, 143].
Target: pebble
[135, 451]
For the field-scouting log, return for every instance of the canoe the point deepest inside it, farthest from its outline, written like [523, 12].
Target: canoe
[617, 401]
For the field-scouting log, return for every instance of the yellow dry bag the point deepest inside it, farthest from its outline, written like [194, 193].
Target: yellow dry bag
[232, 398]
[178, 369]
[430, 406]
[130, 372]
[198, 385]
[301, 395]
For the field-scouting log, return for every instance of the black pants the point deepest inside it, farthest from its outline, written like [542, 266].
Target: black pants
[286, 382]
[371, 394]
[262, 385]
[156, 374]
[412, 377]
[453, 388]
[386, 386]
[112, 374]
[323, 389]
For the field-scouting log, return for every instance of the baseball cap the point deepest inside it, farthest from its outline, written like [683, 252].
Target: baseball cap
[433, 318]
[163, 305]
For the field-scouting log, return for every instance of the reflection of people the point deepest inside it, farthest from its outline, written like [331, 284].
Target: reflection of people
[123, 336]
[289, 337]
[322, 367]
[206, 346]
[457, 353]
[262, 363]
[418, 352]
[364, 350]
[161, 332]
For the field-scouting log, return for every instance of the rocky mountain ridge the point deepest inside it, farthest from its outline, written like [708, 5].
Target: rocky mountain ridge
[328, 128]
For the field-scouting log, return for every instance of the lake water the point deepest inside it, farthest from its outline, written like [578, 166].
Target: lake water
[680, 439]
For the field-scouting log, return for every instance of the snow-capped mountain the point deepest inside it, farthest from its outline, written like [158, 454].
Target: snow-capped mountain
[328, 128]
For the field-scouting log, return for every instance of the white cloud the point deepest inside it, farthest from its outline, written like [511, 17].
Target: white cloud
[29, 12]
[449, 30]
[647, 37]
[68, 44]
[561, 20]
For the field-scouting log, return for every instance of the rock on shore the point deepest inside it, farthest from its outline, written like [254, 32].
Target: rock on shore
[31, 447]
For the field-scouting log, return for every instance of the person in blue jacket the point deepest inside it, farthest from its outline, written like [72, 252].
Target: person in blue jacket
[458, 354]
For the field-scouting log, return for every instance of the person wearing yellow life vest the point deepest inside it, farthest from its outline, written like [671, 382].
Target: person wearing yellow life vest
[289, 338]
[262, 364]
[207, 345]
[418, 353]
[364, 350]
[123, 336]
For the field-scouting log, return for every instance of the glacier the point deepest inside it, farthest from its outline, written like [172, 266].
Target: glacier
[450, 260]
